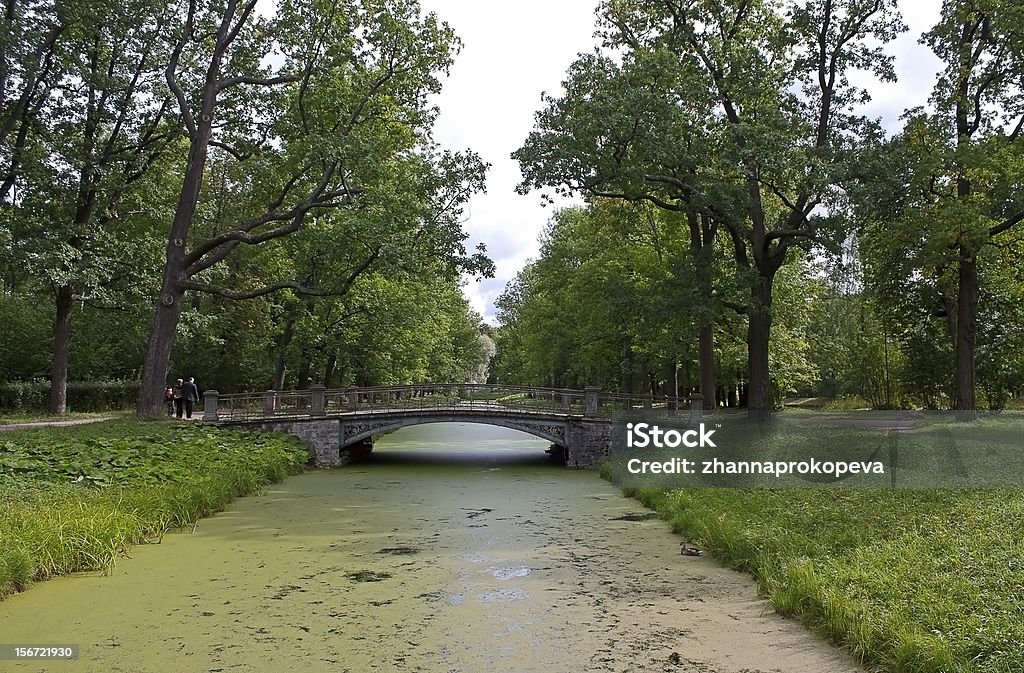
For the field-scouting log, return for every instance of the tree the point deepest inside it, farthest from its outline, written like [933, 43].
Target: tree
[967, 177]
[340, 126]
[602, 138]
[79, 152]
[756, 119]
[28, 48]
[611, 301]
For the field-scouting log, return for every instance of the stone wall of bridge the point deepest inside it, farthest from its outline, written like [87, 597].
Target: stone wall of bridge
[322, 437]
[335, 441]
[588, 442]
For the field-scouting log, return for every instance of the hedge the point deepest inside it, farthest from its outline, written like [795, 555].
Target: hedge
[82, 396]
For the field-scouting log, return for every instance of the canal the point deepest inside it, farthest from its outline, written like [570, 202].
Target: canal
[457, 548]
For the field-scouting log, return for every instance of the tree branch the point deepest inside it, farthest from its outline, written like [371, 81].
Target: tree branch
[233, 33]
[240, 156]
[1008, 223]
[43, 58]
[1016, 131]
[738, 308]
[787, 233]
[261, 81]
[172, 68]
[227, 293]
[206, 254]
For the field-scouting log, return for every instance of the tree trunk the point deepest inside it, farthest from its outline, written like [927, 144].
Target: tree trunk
[332, 362]
[672, 383]
[302, 382]
[702, 236]
[168, 309]
[707, 365]
[759, 326]
[158, 354]
[61, 347]
[966, 332]
[628, 373]
[280, 367]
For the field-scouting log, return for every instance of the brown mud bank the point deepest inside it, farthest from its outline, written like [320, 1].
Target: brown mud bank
[402, 564]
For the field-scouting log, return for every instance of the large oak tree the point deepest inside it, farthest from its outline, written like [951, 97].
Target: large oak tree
[324, 104]
[742, 112]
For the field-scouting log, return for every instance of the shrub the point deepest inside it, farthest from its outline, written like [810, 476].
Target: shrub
[82, 396]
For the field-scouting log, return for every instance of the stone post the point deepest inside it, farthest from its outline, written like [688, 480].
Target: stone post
[269, 402]
[316, 400]
[696, 407]
[566, 401]
[353, 399]
[210, 405]
[648, 402]
[590, 394]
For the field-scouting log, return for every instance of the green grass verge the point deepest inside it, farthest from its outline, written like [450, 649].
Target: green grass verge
[76, 498]
[15, 417]
[907, 581]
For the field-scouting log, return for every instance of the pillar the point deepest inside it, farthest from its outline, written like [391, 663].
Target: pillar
[316, 400]
[590, 394]
[210, 405]
[696, 407]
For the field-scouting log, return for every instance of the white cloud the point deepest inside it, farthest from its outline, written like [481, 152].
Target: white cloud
[512, 52]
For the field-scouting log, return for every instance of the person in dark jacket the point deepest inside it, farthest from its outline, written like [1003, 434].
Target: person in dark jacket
[178, 392]
[190, 391]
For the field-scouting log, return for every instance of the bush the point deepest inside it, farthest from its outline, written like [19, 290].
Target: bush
[82, 396]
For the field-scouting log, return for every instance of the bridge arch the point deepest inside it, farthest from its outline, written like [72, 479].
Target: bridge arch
[355, 431]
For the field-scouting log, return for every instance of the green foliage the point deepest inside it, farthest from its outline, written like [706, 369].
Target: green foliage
[950, 192]
[734, 112]
[320, 167]
[27, 325]
[85, 396]
[921, 581]
[76, 499]
[406, 332]
[610, 302]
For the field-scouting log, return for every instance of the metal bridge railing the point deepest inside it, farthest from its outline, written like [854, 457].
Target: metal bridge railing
[320, 401]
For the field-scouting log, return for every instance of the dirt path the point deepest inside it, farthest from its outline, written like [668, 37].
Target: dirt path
[5, 427]
[50, 424]
[401, 566]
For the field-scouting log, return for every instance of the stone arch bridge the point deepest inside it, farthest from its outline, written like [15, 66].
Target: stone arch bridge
[337, 425]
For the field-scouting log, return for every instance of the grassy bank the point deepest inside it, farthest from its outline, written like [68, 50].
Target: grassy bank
[8, 417]
[76, 498]
[910, 581]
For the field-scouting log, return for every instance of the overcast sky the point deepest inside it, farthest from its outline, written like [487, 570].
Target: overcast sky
[513, 51]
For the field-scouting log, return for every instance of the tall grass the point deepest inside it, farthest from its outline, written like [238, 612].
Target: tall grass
[908, 581]
[74, 499]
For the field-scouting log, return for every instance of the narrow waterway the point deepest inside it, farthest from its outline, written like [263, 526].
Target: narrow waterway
[456, 549]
